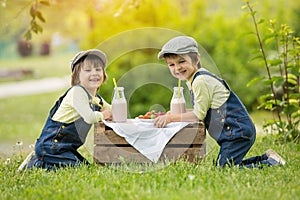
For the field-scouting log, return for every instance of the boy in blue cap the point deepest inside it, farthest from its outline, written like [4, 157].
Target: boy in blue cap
[224, 115]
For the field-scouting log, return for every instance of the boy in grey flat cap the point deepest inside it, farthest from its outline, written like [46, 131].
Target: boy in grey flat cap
[224, 115]
[73, 114]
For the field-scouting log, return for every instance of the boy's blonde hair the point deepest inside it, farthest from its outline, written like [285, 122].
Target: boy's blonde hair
[90, 60]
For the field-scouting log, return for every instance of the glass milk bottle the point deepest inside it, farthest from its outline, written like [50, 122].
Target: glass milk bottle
[178, 101]
[119, 105]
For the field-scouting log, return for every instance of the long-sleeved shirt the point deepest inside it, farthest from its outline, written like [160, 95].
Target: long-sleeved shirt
[76, 104]
[208, 93]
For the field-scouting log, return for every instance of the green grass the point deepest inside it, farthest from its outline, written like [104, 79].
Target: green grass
[23, 117]
[57, 65]
[176, 181]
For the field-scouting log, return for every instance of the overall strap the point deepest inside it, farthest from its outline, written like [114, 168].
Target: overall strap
[93, 106]
[58, 102]
[198, 73]
[101, 100]
[212, 75]
[90, 97]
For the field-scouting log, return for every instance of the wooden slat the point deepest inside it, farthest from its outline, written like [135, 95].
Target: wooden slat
[108, 137]
[192, 134]
[99, 127]
[110, 155]
[188, 136]
[105, 155]
[190, 154]
[188, 143]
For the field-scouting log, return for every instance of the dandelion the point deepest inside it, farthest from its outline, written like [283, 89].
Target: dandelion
[19, 144]
[7, 161]
[191, 177]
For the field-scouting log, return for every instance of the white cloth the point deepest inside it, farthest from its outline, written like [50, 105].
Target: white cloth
[145, 137]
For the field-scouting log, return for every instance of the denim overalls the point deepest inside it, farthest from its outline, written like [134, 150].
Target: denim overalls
[58, 143]
[231, 126]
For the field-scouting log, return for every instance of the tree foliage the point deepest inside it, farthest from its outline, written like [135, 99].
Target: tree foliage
[282, 66]
[219, 26]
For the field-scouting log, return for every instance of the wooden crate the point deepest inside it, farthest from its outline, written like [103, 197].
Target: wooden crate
[110, 148]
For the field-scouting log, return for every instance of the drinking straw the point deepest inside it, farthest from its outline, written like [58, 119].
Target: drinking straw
[115, 83]
[179, 82]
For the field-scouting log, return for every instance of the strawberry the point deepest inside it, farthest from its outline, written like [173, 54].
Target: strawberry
[146, 117]
[148, 113]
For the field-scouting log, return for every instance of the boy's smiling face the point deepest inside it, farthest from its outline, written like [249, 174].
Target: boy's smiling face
[181, 66]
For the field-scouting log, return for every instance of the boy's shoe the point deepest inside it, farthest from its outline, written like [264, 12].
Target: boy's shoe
[275, 156]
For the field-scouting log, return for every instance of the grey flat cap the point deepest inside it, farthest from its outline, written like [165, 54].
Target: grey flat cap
[179, 45]
[95, 52]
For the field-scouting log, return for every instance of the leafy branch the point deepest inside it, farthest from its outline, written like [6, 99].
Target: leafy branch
[36, 17]
[283, 70]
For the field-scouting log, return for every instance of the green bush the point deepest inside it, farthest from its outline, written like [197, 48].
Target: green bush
[281, 61]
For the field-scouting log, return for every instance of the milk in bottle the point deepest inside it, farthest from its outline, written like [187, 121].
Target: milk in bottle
[178, 102]
[119, 105]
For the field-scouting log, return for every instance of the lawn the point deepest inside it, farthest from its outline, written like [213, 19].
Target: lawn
[176, 181]
[22, 119]
[56, 65]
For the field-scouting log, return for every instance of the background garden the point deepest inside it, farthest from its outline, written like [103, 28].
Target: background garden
[225, 31]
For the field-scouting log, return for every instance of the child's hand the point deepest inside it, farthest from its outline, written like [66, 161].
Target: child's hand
[107, 115]
[162, 121]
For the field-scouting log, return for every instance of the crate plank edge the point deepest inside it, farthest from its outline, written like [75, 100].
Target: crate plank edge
[110, 148]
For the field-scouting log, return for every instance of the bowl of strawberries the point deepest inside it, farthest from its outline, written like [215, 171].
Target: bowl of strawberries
[150, 115]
